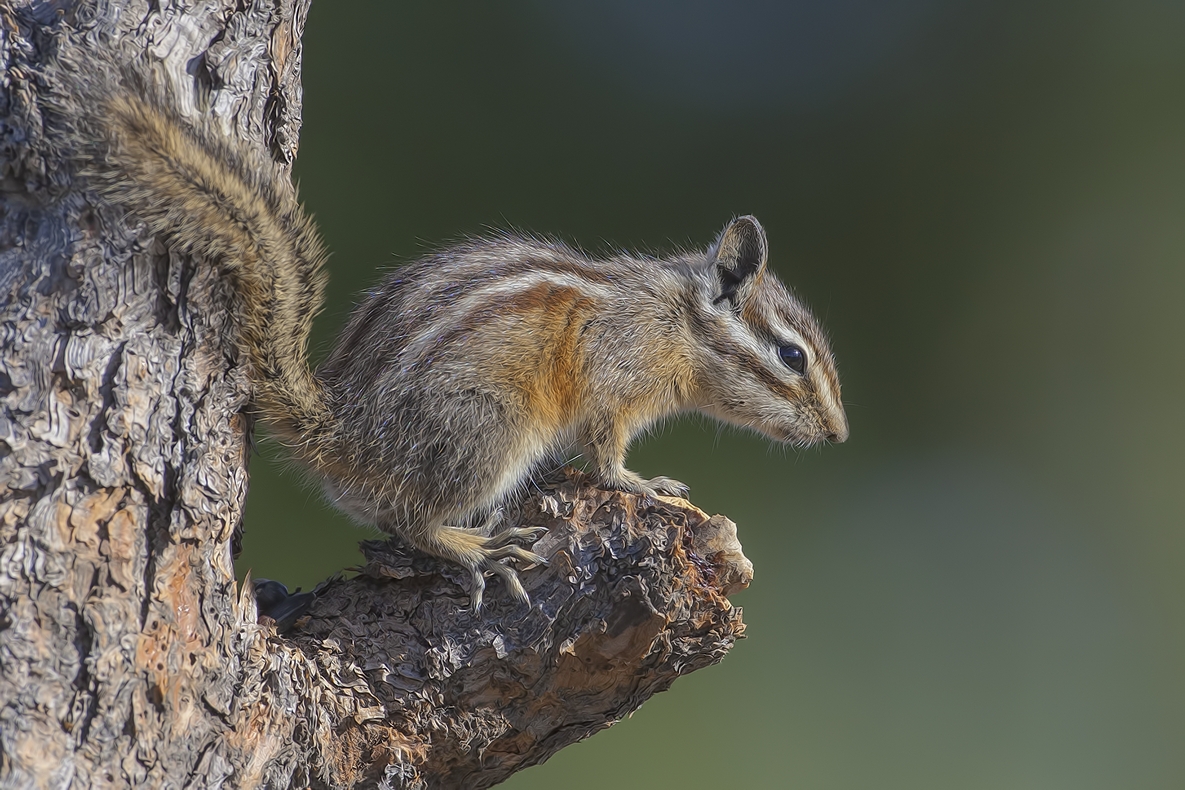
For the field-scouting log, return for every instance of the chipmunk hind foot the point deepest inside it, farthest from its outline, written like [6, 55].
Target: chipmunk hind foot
[485, 553]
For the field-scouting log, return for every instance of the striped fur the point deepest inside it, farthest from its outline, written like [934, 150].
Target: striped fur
[461, 373]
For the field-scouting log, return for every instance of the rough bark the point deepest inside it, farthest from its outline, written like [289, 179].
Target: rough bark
[128, 654]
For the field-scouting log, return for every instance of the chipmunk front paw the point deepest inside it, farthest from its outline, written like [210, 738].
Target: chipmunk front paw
[668, 486]
[632, 483]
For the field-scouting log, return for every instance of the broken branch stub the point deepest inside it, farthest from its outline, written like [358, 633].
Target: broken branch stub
[633, 596]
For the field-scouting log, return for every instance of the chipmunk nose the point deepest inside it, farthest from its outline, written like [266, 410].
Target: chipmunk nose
[838, 433]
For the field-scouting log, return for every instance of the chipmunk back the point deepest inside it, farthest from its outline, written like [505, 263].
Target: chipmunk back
[460, 373]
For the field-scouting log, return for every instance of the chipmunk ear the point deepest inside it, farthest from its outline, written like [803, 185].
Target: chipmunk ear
[739, 257]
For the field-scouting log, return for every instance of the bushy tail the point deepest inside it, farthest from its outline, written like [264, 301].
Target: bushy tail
[231, 206]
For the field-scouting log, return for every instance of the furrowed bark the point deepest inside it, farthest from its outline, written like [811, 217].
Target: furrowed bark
[128, 654]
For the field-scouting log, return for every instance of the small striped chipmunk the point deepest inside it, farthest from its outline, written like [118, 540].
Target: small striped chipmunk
[461, 373]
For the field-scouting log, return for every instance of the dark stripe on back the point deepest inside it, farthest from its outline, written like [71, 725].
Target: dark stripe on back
[538, 297]
[475, 266]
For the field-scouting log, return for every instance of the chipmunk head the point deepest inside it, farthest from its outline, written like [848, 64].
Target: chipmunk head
[769, 366]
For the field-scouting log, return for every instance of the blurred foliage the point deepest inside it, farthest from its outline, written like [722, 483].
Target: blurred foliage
[984, 201]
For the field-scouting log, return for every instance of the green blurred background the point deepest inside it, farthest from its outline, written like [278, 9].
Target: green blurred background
[985, 203]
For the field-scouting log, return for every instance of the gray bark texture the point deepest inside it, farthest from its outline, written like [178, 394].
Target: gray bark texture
[129, 656]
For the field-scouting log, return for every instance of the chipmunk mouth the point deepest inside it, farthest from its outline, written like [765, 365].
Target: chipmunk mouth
[816, 434]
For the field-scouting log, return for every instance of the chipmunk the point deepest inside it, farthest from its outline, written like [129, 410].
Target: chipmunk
[461, 373]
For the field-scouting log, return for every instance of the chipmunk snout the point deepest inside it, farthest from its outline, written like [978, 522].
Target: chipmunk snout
[837, 429]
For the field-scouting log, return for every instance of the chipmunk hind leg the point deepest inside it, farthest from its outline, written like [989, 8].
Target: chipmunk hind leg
[463, 453]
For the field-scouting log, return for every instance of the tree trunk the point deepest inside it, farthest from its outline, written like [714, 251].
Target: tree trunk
[128, 654]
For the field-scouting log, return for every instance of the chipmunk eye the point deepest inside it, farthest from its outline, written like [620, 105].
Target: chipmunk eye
[794, 357]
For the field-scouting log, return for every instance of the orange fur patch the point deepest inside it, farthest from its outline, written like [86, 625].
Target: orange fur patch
[552, 317]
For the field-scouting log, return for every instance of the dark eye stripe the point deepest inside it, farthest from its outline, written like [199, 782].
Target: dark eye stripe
[754, 365]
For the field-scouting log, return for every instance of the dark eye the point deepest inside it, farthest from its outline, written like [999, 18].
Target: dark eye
[794, 357]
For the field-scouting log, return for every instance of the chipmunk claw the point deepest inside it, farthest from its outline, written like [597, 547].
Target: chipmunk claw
[668, 486]
[505, 546]
[509, 577]
[525, 535]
